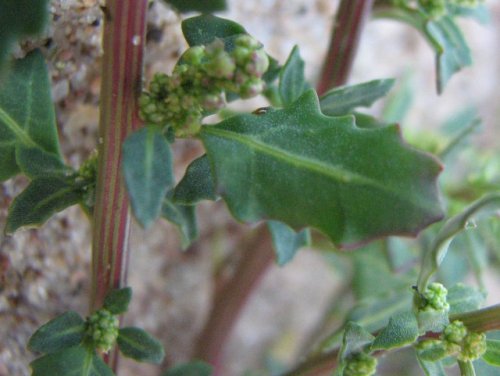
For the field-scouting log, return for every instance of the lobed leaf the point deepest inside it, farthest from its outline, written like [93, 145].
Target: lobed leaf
[73, 361]
[344, 99]
[194, 368]
[64, 331]
[204, 6]
[137, 344]
[117, 301]
[147, 168]
[287, 241]
[204, 29]
[20, 19]
[435, 254]
[27, 120]
[44, 197]
[197, 183]
[292, 81]
[402, 330]
[325, 173]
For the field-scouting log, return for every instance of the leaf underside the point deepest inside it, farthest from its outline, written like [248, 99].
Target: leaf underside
[305, 169]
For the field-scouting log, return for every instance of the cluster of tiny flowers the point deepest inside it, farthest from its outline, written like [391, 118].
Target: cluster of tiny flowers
[87, 175]
[200, 81]
[360, 364]
[102, 329]
[467, 346]
[435, 298]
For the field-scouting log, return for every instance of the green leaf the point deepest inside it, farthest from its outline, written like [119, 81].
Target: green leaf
[287, 241]
[27, 115]
[39, 201]
[462, 298]
[433, 352]
[62, 332]
[204, 6]
[292, 81]
[492, 354]
[197, 183]
[204, 29]
[147, 168]
[325, 173]
[479, 13]
[117, 301]
[35, 162]
[431, 368]
[399, 102]
[355, 338]
[452, 51]
[184, 217]
[342, 100]
[484, 369]
[73, 361]
[137, 344]
[20, 19]
[195, 368]
[402, 330]
[436, 252]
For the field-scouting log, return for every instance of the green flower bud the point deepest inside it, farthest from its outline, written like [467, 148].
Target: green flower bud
[435, 296]
[258, 64]
[193, 55]
[213, 101]
[241, 55]
[455, 332]
[251, 88]
[474, 347]
[245, 40]
[360, 364]
[102, 329]
[221, 66]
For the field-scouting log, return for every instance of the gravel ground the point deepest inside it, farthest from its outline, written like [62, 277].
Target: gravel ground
[45, 272]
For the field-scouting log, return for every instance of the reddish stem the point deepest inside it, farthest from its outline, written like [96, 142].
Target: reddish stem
[347, 28]
[231, 299]
[123, 39]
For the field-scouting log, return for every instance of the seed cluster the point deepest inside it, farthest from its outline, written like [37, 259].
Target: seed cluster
[435, 296]
[467, 346]
[360, 364]
[200, 81]
[102, 329]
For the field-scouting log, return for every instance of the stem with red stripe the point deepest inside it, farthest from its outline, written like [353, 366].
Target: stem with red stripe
[123, 39]
[347, 28]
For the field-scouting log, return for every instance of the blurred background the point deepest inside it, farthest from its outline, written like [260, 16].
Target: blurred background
[46, 272]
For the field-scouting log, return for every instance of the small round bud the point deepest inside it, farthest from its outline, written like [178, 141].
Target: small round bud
[251, 88]
[360, 364]
[455, 332]
[221, 66]
[213, 101]
[435, 296]
[474, 347]
[245, 40]
[102, 329]
[193, 55]
[258, 63]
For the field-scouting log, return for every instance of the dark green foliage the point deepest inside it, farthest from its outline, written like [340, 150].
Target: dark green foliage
[137, 344]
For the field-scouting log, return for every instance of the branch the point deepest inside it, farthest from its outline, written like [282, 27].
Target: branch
[123, 40]
[347, 28]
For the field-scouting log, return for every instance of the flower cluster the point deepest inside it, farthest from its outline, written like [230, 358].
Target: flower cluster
[467, 346]
[102, 329]
[360, 364]
[435, 298]
[200, 81]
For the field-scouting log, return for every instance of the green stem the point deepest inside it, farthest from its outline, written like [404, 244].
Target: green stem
[123, 45]
[347, 28]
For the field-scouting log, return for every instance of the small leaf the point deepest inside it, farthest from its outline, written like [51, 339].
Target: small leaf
[431, 368]
[117, 301]
[35, 162]
[204, 29]
[194, 368]
[147, 168]
[355, 338]
[27, 115]
[197, 183]
[184, 217]
[137, 344]
[287, 241]
[453, 54]
[204, 6]
[20, 19]
[342, 100]
[64, 331]
[462, 298]
[435, 254]
[325, 173]
[399, 102]
[402, 330]
[492, 354]
[73, 361]
[433, 352]
[44, 197]
[292, 81]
